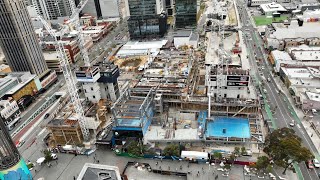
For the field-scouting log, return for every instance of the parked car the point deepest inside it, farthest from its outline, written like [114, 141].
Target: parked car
[268, 79]
[46, 116]
[316, 163]
[20, 143]
[309, 164]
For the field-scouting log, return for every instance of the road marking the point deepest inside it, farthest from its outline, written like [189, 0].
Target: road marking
[41, 132]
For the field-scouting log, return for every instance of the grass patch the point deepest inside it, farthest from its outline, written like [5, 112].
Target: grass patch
[263, 20]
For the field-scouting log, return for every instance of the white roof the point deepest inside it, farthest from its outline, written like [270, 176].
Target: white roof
[272, 7]
[281, 55]
[309, 14]
[132, 48]
[313, 96]
[308, 30]
[297, 72]
[306, 55]
[52, 55]
[303, 48]
[194, 154]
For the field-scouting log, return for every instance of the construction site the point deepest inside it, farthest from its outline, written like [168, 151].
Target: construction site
[205, 99]
[65, 128]
[168, 94]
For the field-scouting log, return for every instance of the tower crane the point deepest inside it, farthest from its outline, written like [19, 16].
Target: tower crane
[74, 20]
[65, 66]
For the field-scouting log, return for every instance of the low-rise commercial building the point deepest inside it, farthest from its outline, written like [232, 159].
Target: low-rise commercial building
[28, 84]
[304, 85]
[270, 8]
[53, 60]
[296, 33]
[9, 110]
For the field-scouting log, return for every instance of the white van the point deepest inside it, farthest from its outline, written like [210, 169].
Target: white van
[314, 111]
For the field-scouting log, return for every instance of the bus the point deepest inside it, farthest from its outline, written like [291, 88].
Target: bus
[13, 123]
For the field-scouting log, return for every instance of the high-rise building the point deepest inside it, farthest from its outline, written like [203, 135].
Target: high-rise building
[52, 9]
[186, 13]
[93, 8]
[18, 40]
[12, 166]
[101, 8]
[147, 18]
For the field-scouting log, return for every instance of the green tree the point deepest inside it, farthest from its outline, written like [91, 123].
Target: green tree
[172, 150]
[232, 158]
[285, 148]
[227, 166]
[243, 150]
[262, 163]
[269, 168]
[236, 151]
[217, 155]
[47, 156]
[135, 148]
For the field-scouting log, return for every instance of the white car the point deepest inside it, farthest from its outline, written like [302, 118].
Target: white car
[292, 123]
[316, 163]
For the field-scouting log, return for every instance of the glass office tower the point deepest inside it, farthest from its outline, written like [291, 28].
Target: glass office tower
[144, 22]
[186, 13]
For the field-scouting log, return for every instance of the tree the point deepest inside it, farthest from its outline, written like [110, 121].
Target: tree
[47, 156]
[172, 150]
[227, 166]
[262, 163]
[217, 155]
[135, 148]
[236, 151]
[285, 148]
[243, 150]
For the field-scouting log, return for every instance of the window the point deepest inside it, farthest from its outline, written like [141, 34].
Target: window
[85, 91]
[93, 97]
[91, 88]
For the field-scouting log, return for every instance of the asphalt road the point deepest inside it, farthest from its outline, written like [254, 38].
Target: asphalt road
[38, 102]
[282, 113]
[116, 36]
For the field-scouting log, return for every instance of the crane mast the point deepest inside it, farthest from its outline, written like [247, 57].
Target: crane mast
[65, 66]
[70, 79]
[74, 20]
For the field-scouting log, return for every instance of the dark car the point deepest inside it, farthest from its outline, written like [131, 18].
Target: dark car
[309, 164]
[46, 116]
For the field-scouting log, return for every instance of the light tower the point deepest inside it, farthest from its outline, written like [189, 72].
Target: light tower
[12, 166]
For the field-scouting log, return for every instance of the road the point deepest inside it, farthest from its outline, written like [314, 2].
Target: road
[282, 112]
[101, 49]
[39, 101]
[29, 111]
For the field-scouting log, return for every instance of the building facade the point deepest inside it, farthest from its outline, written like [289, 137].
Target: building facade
[9, 110]
[186, 13]
[18, 40]
[147, 19]
[100, 82]
[52, 9]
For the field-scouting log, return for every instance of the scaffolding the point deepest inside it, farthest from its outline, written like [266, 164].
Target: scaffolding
[133, 112]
